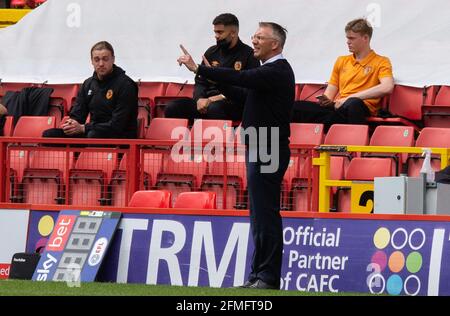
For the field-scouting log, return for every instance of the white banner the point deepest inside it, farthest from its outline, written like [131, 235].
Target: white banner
[53, 42]
[13, 233]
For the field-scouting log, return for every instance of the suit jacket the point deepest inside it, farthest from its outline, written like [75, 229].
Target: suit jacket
[268, 91]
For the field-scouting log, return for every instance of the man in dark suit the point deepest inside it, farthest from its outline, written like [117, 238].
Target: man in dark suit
[268, 92]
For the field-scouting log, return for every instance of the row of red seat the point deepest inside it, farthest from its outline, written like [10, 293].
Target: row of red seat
[426, 106]
[202, 200]
[160, 171]
[416, 107]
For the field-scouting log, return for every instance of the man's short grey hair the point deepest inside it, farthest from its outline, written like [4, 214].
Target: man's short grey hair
[278, 31]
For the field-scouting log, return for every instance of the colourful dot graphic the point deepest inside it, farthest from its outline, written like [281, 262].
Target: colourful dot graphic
[396, 261]
[45, 226]
[380, 258]
[394, 284]
[414, 262]
[381, 238]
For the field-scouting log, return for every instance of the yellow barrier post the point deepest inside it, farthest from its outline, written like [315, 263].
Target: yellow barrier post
[324, 165]
[324, 174]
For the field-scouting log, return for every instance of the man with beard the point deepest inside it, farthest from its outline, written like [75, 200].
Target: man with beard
[209, 102]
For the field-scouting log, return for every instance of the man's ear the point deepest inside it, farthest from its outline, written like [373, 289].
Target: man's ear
[275, 45]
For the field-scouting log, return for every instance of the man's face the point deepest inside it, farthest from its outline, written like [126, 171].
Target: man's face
[223, 34]
[103, 62]
[264, 43]
[356, 42]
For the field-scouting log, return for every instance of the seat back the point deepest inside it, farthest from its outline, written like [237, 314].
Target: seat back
[407, 102]
[429, 137]
[162, 128]
[310, 91]
[145, 110]
[434, 137]
[306, 134]
[196, 200]
[151, 198]
[67, 92]
[180, 89]
[385, 135]
[102, 161]
[33, 126]
[50, 159]
[151, 89]
[57, 108]
[402, 136]
[347, 134]
[8, 128]
[365, 169]
[206, 130]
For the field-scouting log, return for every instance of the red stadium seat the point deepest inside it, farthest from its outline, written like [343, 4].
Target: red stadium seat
[13, 86]
[44, 182]
[310, 91]
[295, 181]
[8, 128]
[429, 137]
[236, 181]
[57, 108]
[39, 2]
[118, 184]
[212, 130]
[179, 90]
[161, 128]
[196, 200]
[151, 167]
[180, 176]
[405, 104]
[145, 110]
[33, 126]
[347, 134]
[298, 90]
[401, 136]
[151, 89]
[152, 198]
[174, 91]
[66, 92]
[437, 114]
[89, 178]
[362, 169]
[18, 3]
[233, 164]
[344, 134]
[18, 162]
[306, 134]
[148, 91]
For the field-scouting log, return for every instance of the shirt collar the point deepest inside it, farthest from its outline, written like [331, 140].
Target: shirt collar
[273, 59]
[365, 61]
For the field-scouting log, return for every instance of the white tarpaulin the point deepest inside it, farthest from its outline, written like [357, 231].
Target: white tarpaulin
[53, 42]
[13, 233]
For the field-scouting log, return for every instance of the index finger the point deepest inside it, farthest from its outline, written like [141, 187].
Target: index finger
[184, 49]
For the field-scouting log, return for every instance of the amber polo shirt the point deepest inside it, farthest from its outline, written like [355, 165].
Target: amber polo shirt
[352, 76]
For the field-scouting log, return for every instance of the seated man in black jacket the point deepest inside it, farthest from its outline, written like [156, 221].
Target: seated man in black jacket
[110, 98]
[209, 102]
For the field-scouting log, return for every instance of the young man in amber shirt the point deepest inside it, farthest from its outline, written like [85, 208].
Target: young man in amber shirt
[357, 83]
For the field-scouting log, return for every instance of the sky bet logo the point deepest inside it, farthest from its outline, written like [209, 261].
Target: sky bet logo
[61, 233]
[397, 266]
[56, 243]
